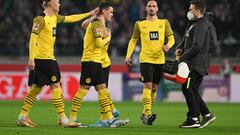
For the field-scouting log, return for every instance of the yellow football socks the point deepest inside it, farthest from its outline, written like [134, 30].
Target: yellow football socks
[153, 95]
[105, 109]
[30, 99]
[147, 102]
[110, 101]
[77, 102]
[58, 101]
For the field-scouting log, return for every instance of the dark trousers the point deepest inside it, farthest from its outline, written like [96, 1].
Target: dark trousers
[190, 89]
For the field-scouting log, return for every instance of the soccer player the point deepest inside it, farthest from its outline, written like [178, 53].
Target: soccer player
[95, 38]
[42, 62]
[195, 52]
[105, 61]
[152, 32]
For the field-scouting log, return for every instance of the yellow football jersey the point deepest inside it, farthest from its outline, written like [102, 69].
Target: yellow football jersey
[152, 35]
[43, 35]
[45, 27]
[91, 52]
[105, 60]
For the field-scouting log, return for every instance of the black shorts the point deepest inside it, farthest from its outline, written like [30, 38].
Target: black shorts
[151, 72]
[106, 71]
[92, 74]
[46, 72]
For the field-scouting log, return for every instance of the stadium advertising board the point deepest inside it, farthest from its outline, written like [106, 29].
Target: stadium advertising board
[13, 86]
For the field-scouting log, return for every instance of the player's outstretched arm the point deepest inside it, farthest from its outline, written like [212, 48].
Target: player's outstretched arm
[79, 17]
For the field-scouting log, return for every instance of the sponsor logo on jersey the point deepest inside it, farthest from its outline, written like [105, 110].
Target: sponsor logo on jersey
[153, 35]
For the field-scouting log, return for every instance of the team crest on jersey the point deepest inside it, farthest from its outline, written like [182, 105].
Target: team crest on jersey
[160, 26]
[88, 80]
[35, 26]
[99, 31]
[53, 78]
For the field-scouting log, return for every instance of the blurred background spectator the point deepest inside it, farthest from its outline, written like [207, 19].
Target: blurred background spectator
[16, 21]
[226, 69]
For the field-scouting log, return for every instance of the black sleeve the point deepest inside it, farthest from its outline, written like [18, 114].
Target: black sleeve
[181, 44]
[212, 38]
[199, 35]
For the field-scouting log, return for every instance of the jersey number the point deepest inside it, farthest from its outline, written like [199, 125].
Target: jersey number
[154, 35]
[54, 32]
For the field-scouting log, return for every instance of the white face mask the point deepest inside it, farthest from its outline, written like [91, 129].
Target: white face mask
[190, 16]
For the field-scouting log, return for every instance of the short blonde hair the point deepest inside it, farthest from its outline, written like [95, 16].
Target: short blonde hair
[45, 2]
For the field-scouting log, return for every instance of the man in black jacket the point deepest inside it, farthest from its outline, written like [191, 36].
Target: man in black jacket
[195, 52]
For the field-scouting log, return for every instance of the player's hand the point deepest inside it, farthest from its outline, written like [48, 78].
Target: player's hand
[94, 12]
[166, 48]
[31, 65]
[93, 17]
[178, 52]
[128, 61]
[106, 33]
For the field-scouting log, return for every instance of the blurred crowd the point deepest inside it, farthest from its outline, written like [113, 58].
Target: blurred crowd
[16, 22]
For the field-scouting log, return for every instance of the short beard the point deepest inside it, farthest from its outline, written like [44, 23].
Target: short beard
[150, 14]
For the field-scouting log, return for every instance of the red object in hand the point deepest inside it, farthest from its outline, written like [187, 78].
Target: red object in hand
[181, 76]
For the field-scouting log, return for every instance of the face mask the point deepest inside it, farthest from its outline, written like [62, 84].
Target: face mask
[190, 16]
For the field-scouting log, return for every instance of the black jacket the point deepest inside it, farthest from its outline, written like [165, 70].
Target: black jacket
[212, 38]
[212, 32]
[195, 46]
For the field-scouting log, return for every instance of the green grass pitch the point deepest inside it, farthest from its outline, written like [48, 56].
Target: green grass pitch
[170, 115]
